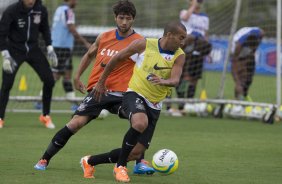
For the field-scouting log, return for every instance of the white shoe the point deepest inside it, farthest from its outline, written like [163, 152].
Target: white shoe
[174, 112]
[70, 95]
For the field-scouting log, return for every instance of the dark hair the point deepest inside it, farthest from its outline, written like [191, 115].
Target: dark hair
[124, 7]
[174, 27]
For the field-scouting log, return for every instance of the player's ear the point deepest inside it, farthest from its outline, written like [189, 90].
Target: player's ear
[169, 34]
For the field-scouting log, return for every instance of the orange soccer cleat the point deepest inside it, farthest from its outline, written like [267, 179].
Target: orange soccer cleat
[1, 123]
[47, 121]
[120, 174]
[41, 165]
[88, 170]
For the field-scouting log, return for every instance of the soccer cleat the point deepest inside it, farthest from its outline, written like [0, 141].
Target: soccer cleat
[41, 165]
[1, 123]
[88, 170]
[74, 107]
[248, 98]
[174, 112]
[120, 174]
[143, 168]
[47, 121]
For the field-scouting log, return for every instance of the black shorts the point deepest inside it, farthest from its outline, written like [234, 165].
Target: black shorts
[133, 103]
[64, 56]
[195, 54]
[90, 107]
[194, 65]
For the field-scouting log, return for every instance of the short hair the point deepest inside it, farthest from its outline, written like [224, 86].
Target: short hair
[174, 27]
[124, 7]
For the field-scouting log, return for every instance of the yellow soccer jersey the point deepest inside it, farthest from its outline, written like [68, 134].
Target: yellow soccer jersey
[155, 61]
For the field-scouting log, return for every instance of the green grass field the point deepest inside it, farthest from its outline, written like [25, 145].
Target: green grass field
[210, 151]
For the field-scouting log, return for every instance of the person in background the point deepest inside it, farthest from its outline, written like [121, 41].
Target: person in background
[244, 45]
[196, 49]
[20, 26]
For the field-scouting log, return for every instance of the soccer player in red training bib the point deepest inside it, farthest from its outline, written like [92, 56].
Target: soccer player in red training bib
[106, 45]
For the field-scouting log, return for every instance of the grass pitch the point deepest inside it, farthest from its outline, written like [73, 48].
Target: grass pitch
[210, 151]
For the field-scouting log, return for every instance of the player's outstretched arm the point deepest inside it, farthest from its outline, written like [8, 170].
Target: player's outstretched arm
[176, 72]
[186, 14]
[137, 46]
[84, 63]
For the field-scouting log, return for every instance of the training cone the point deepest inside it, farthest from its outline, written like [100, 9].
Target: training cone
[23, 84]
[203, 95]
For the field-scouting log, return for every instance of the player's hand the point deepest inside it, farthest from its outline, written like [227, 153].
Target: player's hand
[99, 90]
[52, 57]
[78, 85]
[194, 2]
[155, 79]
[9, 64]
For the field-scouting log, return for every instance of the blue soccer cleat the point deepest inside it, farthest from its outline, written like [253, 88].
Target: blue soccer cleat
[41, 165]
[74, 107]
[143, 168]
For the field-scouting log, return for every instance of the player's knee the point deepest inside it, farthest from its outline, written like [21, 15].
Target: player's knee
[77, 122]
[140, 126]
[67, 84]
[139, 121]
[75, 126]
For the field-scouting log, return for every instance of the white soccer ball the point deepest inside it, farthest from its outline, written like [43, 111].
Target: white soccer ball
[201, 109]
[279, 112]
[227, 108]
[103, 114]
[165, 161]
[189, 108]
[258, 111]
[237, 111]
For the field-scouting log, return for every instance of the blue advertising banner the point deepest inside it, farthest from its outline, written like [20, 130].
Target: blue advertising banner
[265, 56]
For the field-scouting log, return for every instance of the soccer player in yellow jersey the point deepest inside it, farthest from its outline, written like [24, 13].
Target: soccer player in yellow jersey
[158, 67]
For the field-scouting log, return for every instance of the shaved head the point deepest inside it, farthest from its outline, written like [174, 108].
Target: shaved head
[174, 27]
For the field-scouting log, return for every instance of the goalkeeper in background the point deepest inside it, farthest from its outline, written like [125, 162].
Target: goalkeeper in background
[196, 48]
[245, 42]
[20, 26]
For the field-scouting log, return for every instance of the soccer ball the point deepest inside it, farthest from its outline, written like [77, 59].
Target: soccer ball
[189, 108]
[165, 161]
[237, 111]
[103, 114]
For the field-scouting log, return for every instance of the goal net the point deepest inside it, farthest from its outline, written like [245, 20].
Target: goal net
[216, 83]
